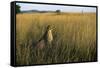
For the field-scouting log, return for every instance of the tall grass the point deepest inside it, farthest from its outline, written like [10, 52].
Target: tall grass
[74, 38]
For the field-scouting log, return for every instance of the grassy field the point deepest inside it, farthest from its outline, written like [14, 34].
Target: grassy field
[74, 38]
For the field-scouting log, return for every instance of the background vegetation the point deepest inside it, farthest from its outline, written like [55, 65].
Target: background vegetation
[18, 9]
[74, 38]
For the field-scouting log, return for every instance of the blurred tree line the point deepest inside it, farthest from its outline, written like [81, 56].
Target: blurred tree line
[18, 9]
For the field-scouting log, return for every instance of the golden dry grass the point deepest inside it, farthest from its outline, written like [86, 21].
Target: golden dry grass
[74, 38]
